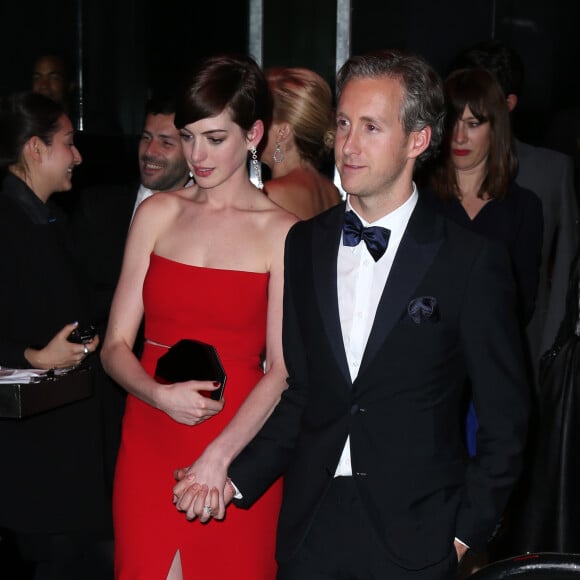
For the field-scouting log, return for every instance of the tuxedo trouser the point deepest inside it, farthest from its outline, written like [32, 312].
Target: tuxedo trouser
[342, 544]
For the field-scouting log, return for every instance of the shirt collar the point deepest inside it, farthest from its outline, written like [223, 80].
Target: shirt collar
[397, 218]
[145, 192]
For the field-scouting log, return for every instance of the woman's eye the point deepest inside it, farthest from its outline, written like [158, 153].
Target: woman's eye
[185, 137]
[215, 140]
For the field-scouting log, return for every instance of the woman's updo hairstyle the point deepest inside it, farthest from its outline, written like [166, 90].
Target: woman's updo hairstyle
[23, 116]
[303, 99]
[232, 82]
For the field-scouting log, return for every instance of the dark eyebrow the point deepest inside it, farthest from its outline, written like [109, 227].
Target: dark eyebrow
[214, 131]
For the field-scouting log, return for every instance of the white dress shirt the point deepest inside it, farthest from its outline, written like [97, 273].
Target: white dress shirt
[142, 195]
[360, 283]
[145, 192]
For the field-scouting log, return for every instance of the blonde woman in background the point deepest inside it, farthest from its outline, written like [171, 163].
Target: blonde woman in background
[299, 142]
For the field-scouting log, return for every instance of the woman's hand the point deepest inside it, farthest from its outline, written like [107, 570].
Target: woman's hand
[60, 352]
[184, 403]
[204, 483]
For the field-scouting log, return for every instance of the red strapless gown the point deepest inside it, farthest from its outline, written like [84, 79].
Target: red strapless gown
[227, 309]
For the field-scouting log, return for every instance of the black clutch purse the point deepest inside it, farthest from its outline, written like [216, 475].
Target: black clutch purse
[192, 360]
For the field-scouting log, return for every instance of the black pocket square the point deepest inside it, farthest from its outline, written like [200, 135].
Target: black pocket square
[423, 309]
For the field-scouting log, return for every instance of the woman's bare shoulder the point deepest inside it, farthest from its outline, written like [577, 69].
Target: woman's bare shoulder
[165, 203]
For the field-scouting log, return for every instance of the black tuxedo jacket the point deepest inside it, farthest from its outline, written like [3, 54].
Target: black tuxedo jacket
[99, 228]
[405, 410]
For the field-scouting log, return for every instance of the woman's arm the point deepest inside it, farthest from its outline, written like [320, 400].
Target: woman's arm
[211, 468]
[181, 401]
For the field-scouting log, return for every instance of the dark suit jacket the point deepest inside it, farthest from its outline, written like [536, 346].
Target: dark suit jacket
[404, 412]
[550, 175]
[99, 228]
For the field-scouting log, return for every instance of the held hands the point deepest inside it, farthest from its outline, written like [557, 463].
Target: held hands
[199, 500]
[184, 403]
[60, 352]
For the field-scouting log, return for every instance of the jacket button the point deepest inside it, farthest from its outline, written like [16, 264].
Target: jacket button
[354, 409]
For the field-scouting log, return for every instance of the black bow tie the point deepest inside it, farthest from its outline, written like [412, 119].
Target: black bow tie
[375, 237]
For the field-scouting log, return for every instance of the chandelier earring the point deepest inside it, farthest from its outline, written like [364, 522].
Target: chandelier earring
[255, 169]
[278, 155]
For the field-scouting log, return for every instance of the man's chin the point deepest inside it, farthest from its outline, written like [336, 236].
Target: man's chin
[152, 185]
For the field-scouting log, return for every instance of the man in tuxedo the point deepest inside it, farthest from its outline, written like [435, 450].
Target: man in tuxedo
[104, 213]
[550, 174]
[388, 310]
[99, 228]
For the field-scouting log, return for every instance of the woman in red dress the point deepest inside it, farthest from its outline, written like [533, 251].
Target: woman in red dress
[204, 263]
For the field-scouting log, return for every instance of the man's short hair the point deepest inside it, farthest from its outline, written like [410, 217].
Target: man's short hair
[160, 105]
[503, 61]
[423, 101]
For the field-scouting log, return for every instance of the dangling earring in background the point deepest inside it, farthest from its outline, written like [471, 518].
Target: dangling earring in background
[278, 155]
[255, 169]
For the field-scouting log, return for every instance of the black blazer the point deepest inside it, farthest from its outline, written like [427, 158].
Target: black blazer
[404, 411]
[99, 228]
[39, 294]
[39, 289]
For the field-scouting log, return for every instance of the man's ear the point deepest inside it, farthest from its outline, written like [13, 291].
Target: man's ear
[419, 141]
[512, 101]
[255, 134]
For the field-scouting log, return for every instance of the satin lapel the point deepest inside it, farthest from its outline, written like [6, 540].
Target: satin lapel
[419, 245]
[325, 240]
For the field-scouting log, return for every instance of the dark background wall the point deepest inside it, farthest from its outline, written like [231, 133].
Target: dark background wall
[133, 46]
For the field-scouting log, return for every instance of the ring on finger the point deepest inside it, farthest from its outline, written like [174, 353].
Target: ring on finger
[85, 350]
[207, 509]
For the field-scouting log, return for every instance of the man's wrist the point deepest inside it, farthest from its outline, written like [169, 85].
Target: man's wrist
[237, 492]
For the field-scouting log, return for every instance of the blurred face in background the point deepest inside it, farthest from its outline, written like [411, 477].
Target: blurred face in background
[162, 164]
[49, 79]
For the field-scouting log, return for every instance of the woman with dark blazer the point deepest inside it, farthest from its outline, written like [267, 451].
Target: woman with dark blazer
[473, 182]
[51, 462]
[473, 185]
